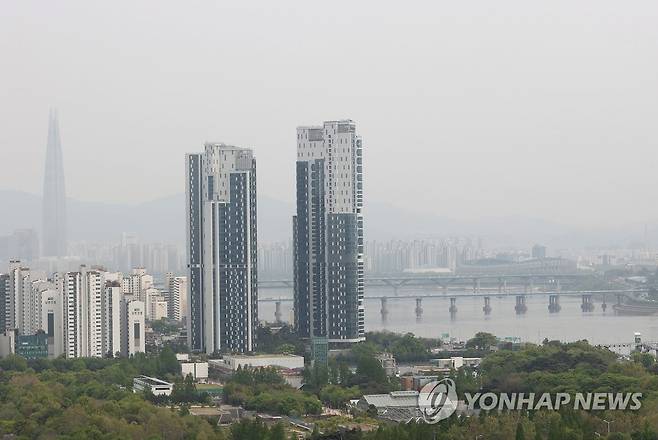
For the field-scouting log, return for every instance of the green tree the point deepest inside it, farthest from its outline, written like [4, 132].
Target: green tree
[286, 349]
[520, 433]
[167, 362]
[370, 368]
[13, 362]
[277, 432]
[482, 341]
[184, 391]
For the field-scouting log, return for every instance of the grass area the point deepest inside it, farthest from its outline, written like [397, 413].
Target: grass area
[332, 424]
[210, 388]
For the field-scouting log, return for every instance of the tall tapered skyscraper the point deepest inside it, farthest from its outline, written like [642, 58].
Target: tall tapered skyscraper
[328, 233]
[54, 195]
[221, 249]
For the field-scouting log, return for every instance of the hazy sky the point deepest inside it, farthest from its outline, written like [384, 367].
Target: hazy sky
[543, 109]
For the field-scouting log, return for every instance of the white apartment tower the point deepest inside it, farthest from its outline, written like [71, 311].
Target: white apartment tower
[137, 283]
[328, 233]
[133, 316]
[32, 315]
[157, 307]
[176, 296]
[18, 297]
[111, 311]
[52, 321]
[83, 313]
[5, 302]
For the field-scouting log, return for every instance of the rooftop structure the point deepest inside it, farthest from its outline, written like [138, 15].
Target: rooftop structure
[156, 386]
[289, 361]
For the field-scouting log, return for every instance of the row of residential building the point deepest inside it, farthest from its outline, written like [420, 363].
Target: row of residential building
[397, 256]
[123, 255]
[85, 313]
[222, 253]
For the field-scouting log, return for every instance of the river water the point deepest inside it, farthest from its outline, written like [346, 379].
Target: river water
[570, 324]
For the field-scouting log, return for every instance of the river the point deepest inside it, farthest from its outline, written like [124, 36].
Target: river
[537, 323]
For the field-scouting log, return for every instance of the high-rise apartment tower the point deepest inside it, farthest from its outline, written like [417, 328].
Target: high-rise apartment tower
[221, 249]
[328, 233]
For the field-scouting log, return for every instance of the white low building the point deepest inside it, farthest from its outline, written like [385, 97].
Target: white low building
[198, 370]
[457, 362]
[288, 361]
[156, 386]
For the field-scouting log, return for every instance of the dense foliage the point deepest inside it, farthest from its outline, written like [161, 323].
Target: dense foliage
[256, 430]
[482, 341]
[83, 399]
[552, 367]
[405, 348]
[263, 389]
[92, 398]
[283, 340]
[571, 368]
[506, 426]
[336, 384]
[165, 326]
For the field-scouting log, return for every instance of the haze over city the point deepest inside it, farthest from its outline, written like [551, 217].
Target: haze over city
[467, 111]
[363, 220]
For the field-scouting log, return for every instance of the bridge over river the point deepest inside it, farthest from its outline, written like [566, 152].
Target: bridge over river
[587, 303]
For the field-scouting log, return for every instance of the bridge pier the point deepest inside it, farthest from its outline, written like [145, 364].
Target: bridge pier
[384, 308]
[419, 307]
[587, 305]
[453, 306]
[554, 303]
[637, 340]
[277, 312]
[487, 305]
[604, 306]
[444, 289]
[520, 306]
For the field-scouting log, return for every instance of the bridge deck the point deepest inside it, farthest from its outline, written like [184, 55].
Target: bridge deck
[612, 293]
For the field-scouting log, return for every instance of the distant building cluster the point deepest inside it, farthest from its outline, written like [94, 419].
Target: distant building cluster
[530, 266]
[123, 255]
[130, 252]
[84, 313]
[21, 244]
[397, 256]
[275, 261]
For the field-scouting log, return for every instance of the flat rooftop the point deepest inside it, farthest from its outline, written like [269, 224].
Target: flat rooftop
[153, 381]
[262, 356]
[223, 146]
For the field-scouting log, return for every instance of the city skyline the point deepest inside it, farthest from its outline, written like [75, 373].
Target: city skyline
[314, 220]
